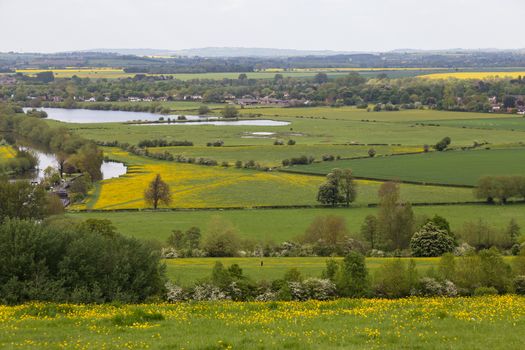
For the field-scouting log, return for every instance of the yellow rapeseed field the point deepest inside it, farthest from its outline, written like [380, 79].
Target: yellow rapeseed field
[474, 75]
[7, 152]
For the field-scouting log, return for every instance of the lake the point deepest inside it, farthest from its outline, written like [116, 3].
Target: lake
[87, 116]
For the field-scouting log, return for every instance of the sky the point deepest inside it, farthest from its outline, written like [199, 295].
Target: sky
[342, 25]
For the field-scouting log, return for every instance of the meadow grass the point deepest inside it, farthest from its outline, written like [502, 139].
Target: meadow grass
[495, 322]
[514, 123]
[279, 225]
[187, 271]
[452, 167]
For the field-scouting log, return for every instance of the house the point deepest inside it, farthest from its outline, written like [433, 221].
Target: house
[7, 80]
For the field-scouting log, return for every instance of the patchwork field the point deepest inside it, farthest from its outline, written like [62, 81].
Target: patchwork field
[423, 323]
[453, 167]
[197, 186]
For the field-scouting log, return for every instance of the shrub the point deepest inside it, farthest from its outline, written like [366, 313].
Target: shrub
[291, 142]
[519, 285]
[371, 152]
[431, 241]
[481, 291]
[431, 287]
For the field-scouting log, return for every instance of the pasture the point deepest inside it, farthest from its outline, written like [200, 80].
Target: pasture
[279, 225]
[422, 323]
[452, 167]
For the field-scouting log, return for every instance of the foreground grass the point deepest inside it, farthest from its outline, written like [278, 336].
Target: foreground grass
[279, 225]
[495, 322]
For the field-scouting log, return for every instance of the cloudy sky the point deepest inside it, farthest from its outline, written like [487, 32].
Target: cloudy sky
[350, 25]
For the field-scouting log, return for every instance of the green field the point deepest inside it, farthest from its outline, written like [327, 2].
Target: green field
[495, 322]
[453, 167]
[500, 123]
[188, 270]
[279, 225]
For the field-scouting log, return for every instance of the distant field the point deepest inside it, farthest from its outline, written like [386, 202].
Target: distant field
[453, 167]
[271, 155]
[475, 75]
[304, 130]
[86, 72]
[490, 322]
[278, 225]
[497, 123]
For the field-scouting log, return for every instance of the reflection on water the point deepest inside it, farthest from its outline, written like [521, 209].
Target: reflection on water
[109, 169]
[83, 116]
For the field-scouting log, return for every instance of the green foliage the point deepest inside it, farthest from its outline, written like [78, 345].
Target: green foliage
[78, 264]
[352, 276]
[326, 234]
[395, 279]
[221, 239]
[431, 241]
[137, 316]
[20, 199]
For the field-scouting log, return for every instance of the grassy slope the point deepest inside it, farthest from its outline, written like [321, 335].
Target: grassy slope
[494, 322]
[281, 224]
[453, 167]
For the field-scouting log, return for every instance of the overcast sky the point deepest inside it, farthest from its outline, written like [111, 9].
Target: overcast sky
[349, 25]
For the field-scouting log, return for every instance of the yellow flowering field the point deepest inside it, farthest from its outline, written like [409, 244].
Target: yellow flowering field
[474, 75]
[495, 322]
[6, 152]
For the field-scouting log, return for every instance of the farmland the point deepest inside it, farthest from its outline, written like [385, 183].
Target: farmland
[475, 75]
[433, 167]
[426, 323]
[6, 152]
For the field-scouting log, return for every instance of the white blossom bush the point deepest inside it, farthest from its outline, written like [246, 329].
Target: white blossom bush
[320, 289]
[175, 293]
[208, 292]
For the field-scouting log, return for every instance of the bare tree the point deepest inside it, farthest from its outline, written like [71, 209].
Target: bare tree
[157, 192]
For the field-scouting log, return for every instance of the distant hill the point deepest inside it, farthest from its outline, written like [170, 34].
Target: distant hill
[223, 52]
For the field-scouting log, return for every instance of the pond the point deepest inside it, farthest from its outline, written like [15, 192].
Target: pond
[86, 116]
[109, 169]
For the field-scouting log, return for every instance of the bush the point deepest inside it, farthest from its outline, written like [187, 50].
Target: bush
[431, 241]
[481, 291]
[430, 287]
[519, 285]
[221, 239]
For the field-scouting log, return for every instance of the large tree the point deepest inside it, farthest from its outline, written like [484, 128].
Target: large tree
[157, 192]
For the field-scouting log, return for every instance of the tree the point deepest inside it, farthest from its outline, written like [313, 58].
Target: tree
[327, 234]
[329, 193]
[396, 220]
[370, 231]
[230, 111]
[157, 192]
[20, 199]
[203, 110]
[243, 76]
[431, 241]
[345, 182]
[321, 78]
[352, 276]
[221, 239]
[443, 144]
[513, 231]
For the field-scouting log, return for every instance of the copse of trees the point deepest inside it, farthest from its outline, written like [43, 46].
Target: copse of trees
[443, 144]
[163, 143]
[338, 188]
[79, 263]
[500, 188]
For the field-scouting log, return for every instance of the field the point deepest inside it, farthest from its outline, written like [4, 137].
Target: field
[6, 153]
[188, 270]
[197, 186]
[453, 167]
[495, 322]
[499, 123]
[475, 75]
[278, 225]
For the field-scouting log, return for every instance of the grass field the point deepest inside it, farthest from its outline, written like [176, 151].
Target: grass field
[453, 167]
[188, 270]
[498, 123]
[303, 130]
[475, 75]
[278, 225]
[272, 156]
[495, 322]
